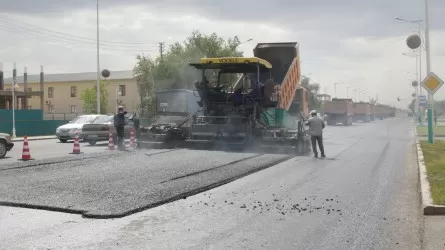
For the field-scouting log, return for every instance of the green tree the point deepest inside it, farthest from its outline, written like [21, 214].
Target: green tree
[313, 89]
[89, 98]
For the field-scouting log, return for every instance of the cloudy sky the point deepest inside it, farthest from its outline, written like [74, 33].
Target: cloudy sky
[357, 42]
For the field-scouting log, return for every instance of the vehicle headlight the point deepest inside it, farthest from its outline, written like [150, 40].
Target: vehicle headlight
[57, 130]
[8, 138]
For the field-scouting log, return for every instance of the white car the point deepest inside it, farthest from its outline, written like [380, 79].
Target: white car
[67, 132]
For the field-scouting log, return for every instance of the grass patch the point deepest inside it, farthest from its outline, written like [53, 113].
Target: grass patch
[438, 130]
[434, 155]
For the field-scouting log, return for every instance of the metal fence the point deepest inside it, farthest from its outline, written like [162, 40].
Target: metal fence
[60, 116]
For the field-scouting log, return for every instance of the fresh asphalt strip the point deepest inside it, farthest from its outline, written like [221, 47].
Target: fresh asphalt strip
[123, 184]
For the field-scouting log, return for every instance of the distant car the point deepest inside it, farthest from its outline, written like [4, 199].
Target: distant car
[6, 144]
[67, 132]
[100, 128]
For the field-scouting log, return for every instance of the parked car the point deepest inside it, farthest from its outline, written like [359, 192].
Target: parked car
[6, 144]
[67, 132]
[99, 129]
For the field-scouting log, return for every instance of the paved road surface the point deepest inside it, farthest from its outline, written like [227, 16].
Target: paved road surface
[366, 197]
[53, 148]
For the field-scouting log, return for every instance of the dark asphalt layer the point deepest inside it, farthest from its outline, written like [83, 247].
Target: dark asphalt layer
[121, 184]
[366, 197]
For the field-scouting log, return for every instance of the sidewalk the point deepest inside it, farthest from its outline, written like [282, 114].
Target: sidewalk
[35, 138]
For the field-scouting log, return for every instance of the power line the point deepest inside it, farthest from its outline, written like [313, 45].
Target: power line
[43, 35]
[161, 50]
[74, 44]
[66, 41]
[29, 26]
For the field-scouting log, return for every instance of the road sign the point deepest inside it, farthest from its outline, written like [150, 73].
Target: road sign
[432, 83]
[422, 98]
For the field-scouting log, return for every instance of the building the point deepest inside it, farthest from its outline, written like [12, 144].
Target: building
[62, 92]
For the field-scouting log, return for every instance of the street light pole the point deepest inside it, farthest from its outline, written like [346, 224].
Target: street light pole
[428, 71]
[335, 88]
[419, 88]
[14, 85]
[98, 62]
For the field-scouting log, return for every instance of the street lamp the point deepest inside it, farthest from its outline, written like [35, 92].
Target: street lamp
[419, 57]
[347, 92]
[248, 40]
[14, 87]
[419, 23]
[428, 69]
[335, 88]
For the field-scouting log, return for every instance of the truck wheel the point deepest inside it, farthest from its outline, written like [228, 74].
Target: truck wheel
[63, 140]
[92, 142]
[2, 149]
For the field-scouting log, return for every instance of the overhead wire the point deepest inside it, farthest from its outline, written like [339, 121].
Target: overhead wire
[40, 33]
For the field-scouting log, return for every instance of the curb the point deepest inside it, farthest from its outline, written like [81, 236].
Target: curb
[427, 202]
[35, 139]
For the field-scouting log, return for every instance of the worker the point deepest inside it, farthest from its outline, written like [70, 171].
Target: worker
[316, 126]
[119, 124]
[257, 88]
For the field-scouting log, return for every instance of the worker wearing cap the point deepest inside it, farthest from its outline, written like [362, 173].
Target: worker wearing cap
[316, 126]
[119, 124]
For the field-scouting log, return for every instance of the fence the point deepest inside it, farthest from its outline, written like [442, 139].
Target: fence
[61, 116]
[28, 122]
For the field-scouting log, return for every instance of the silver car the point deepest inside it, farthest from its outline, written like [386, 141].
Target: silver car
[67, 132]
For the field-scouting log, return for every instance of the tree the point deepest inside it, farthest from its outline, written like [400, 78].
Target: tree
[146, 84]
[172, 69]
[89, 98]
[313, 89]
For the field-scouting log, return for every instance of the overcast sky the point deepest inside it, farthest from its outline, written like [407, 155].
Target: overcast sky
[357, 42]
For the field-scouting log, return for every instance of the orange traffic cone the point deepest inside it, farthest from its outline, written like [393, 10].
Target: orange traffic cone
[26, 155]
[76, 147]
[110, 142]
[132, 143]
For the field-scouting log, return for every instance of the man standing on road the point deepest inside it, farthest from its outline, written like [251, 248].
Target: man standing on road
[316, 126]
[119, 124]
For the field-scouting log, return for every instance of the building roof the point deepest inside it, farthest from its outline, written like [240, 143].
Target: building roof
[73, 77]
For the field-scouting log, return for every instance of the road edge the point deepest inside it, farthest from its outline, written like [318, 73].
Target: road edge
[427, 202]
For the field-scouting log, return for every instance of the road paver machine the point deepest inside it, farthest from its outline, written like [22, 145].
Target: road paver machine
[249, 103]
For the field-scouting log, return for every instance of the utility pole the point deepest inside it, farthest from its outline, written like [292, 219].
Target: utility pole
[161, 50]
[428, 71]
[98, 62]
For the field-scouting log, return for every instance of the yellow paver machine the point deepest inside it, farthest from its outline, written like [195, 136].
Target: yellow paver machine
[248, 103]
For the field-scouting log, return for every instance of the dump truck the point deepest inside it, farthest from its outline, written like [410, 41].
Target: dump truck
[362, 112]
[392, 111]
[372, 110]
[264, 107]
[384, 111]
[339, 110]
